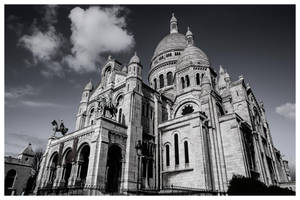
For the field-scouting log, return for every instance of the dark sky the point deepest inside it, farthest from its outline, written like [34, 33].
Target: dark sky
[256, 41]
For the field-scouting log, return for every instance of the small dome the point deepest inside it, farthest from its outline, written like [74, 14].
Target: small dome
[173, 41]
[89, 86]
[173, 18]
[134, 59]
[192, 55]
[188, 32]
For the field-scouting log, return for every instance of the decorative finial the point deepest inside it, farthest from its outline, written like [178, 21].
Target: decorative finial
[189, 37]
[109, 57]
[173, 24]
[221, 71]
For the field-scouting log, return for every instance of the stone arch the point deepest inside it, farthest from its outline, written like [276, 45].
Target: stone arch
[117, 96]
[83, 161]
[190, 101]
[91, 115]
[167, 153]
[52, 164]
[67, 165]
[113, 168]
[10, 180]
[155, 83]
[169, 78]
[161, 81]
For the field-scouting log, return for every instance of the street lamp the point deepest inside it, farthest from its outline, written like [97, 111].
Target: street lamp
[138, 148]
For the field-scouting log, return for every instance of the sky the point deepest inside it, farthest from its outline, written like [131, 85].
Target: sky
[51, 53]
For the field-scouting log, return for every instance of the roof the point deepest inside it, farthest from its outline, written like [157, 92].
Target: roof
[28, 150]
[134, 59]
[173, 41]
[192, 55]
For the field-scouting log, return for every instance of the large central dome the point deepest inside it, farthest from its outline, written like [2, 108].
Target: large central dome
[173, 41]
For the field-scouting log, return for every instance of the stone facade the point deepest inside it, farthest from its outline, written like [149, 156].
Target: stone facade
[18, 171]
[192, 128]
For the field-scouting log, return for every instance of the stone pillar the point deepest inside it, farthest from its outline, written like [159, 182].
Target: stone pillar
[73, 176]
[58, 178]
[92, 172]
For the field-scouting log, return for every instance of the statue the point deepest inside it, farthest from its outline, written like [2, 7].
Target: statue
[61, 128]
[105, 104]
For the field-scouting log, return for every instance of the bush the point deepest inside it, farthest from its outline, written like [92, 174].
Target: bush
[240, 185]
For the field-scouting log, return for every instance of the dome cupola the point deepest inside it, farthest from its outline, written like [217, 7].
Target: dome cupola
[192, 55]
[134, 59]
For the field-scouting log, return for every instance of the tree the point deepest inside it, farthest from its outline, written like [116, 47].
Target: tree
[31, 183]
[240, 185]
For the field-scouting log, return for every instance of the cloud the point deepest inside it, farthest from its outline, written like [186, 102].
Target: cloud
[286, 110]
[18, 92]
[45, 43]
[42, 45]
[96, 31]
[39, 104]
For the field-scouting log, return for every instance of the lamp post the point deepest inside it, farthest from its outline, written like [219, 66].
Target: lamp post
[138, 148]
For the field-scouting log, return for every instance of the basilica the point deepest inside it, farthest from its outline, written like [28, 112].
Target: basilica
[190, 129]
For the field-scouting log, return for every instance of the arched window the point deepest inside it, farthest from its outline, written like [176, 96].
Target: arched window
[182, 82]
[53, 168]
[67, 166]
[155, 84]
[10, 178]
[187, 81]
[169, 78]
[220, 110]
[198, 79]
[161, 81]
[167, 155]
[186, 152]
[92, 116]
[83, 163]
[187, 110]
[120, 115]
[176, 149]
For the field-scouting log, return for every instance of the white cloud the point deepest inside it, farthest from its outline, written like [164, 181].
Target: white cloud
[42, 45]
[17, 92]
[45, 43]
[287, 110]
[96, 31]
[39, 104]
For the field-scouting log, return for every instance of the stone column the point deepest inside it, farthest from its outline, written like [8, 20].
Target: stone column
[73, 176]
[59, 171]
[91, 173]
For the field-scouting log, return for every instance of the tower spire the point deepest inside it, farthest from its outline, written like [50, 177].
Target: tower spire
[173, 24]
[189, 37]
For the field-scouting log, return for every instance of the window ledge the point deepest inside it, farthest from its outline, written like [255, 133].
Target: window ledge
[178, 170]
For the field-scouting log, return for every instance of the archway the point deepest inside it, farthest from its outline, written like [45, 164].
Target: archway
[113, 168]
[52, 168]
[67, 166]
[9, 181]
[83, 163]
